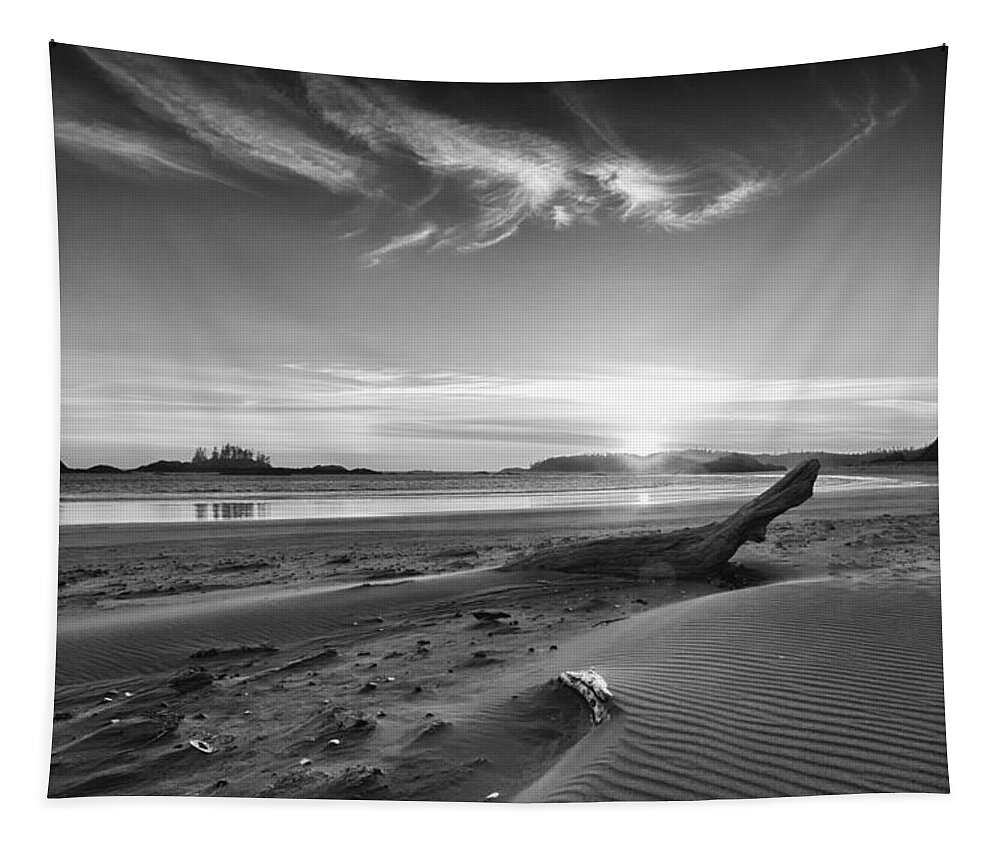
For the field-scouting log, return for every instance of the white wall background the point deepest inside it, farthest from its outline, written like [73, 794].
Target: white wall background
[511, 40]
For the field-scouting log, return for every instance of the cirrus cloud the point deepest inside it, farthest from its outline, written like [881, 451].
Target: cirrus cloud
[427, 166]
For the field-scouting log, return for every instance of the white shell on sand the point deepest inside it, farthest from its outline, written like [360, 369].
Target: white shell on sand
[593, 688]
[200, 745]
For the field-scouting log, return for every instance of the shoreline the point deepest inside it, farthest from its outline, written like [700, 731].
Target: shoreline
[170, 508]
[623, 514]
[291, 635]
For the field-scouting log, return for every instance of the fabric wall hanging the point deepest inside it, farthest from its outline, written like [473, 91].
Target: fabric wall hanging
[498, 442]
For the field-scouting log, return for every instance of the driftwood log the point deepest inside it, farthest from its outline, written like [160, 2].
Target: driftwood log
[686, 553]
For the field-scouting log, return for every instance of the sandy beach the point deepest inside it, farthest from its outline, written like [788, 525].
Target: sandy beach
[401, 659]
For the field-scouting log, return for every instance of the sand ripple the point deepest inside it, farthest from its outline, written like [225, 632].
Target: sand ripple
[796, 689]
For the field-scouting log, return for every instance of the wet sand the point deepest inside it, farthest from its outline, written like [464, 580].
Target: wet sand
[317, 659]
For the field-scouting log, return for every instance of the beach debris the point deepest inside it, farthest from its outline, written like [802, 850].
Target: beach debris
[608, 620]
[593, 688]
[492, 796]
[305, 761]
[202, 745]
[323, 655]
[685, 553]
[483, 615]
[369, 687]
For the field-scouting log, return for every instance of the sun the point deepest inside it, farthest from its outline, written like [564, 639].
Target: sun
[644, 442]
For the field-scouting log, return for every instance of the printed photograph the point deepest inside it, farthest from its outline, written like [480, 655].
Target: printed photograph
[498, 442]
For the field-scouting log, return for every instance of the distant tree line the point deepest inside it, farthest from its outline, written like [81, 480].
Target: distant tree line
[229, 456]
[709, 461]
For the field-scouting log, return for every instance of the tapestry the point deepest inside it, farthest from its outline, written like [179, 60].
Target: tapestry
[498, 442]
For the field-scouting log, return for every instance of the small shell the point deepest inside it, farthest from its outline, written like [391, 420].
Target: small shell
[202, 745]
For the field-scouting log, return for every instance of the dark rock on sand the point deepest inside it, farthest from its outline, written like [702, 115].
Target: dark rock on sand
[482, 615]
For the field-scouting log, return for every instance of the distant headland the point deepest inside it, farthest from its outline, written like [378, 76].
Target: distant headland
[694, 461]
[229, 461]
[233, 460]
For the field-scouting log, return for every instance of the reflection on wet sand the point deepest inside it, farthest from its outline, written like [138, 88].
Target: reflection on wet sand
[365, 504]
[231, 510]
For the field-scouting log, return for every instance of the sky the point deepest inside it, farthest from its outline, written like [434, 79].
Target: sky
[451, 276]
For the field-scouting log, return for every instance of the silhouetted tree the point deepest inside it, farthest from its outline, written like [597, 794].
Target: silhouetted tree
[229, 456]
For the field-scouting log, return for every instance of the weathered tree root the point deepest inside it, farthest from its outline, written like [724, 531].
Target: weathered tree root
[686, 553]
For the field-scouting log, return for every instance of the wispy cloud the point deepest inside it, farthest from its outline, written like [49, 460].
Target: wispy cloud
[345, 409]
[432, 178]
[131, 152]
[397, 243]
[245, 125]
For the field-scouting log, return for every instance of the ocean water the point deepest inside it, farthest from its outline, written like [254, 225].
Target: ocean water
[118, 499]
